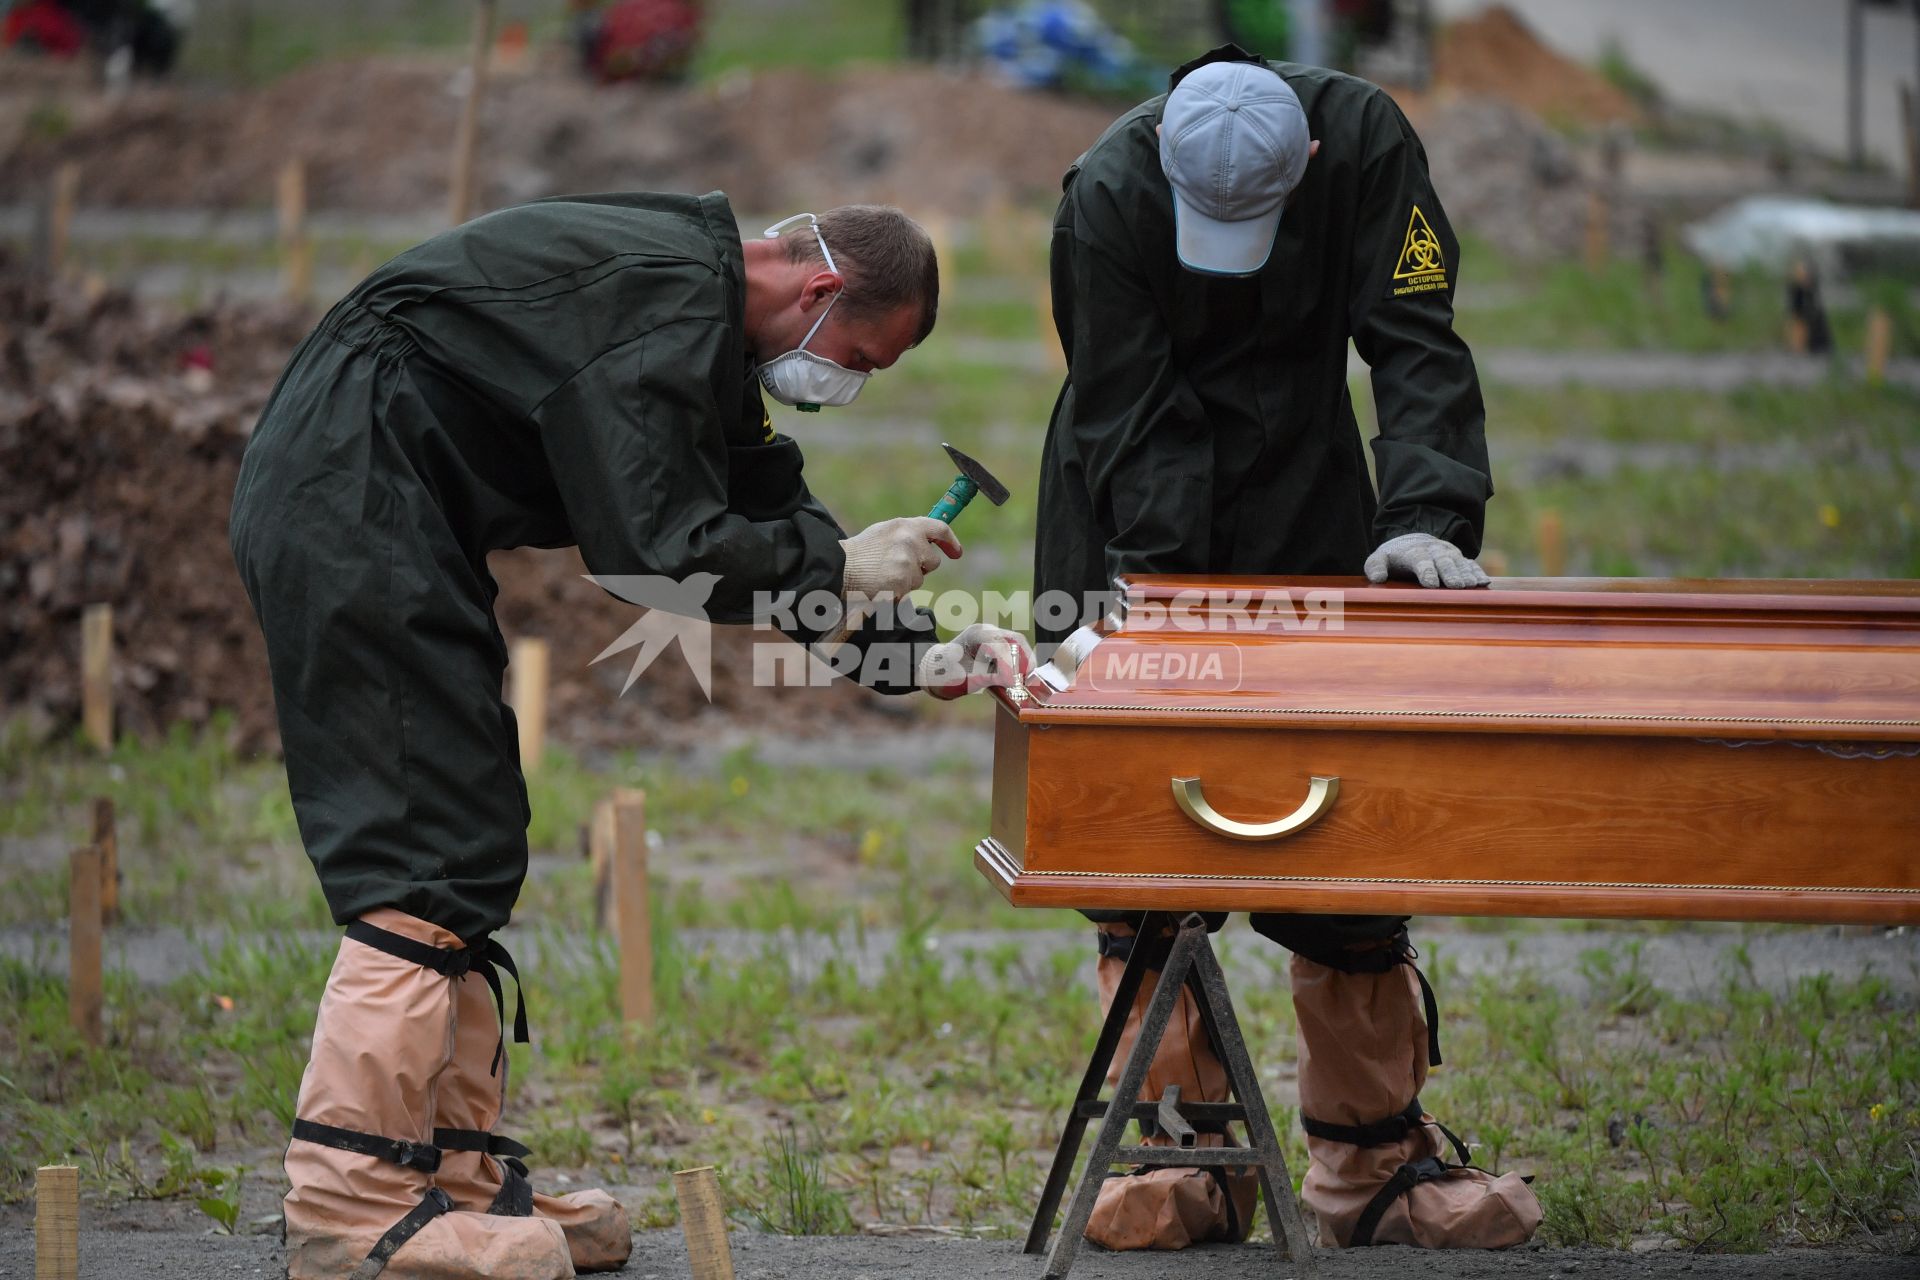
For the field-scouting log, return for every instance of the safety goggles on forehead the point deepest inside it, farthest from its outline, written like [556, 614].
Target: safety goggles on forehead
[773, 233]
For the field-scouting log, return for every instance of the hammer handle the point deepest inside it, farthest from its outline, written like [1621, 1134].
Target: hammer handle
[954, 500]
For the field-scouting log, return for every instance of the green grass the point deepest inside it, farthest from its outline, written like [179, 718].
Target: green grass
[1734, 1122]
[1625, 306]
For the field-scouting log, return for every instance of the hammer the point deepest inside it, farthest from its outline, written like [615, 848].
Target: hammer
[973, 479]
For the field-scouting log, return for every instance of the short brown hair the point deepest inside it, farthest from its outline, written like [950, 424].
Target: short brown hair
[886, 257]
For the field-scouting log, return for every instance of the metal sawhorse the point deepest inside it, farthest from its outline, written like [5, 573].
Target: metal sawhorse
[1192, 963]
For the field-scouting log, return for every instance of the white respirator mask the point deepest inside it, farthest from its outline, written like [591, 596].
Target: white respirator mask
[800, 378]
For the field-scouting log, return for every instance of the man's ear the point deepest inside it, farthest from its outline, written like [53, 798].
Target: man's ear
[820, 286]
[1313, 148]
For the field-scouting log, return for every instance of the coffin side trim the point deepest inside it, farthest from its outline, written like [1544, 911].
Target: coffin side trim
[1175, 709]
[1515, 884]
[1321, 793]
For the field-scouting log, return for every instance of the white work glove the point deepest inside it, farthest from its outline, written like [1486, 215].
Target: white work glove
[1434, 561]
[981, 657]
[895, 556]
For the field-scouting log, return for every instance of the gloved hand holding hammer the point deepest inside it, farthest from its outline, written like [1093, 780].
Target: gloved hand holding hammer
[894, 557]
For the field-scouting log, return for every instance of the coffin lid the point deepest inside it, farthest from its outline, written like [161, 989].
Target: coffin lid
[1760, 658]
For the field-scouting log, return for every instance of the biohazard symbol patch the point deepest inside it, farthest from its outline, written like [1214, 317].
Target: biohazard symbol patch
[1422, 266]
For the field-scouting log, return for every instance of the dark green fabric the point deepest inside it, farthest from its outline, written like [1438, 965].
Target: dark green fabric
[560, 372]
[1205, 424]
[1318, 938]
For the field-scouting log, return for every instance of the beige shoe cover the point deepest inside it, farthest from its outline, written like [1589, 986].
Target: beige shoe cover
[383, 1037]
[599, 1235]
[1169, 1208]
[1363, 1059]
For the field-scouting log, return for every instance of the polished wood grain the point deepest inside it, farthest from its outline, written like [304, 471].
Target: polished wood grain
[1669, 750]
[1838, 661]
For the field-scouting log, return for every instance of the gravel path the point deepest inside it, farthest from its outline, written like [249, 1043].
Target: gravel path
[1688, 962]
[660, 1255]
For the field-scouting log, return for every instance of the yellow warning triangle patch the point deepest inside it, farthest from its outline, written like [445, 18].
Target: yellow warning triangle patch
[1420, 255]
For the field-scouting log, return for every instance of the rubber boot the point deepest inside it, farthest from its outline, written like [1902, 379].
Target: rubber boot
[381, 1044]
[1169, 1208]
[471, 1099]
[1363, 1060]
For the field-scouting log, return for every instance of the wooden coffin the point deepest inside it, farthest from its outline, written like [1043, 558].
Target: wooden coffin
[1728, 750]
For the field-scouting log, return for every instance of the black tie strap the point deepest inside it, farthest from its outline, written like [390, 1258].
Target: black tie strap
[1120, 947]
[1404, 1179]
[515, 1198]
[493, 1144]
[424, 1156]
[1433, 1006]
[432, 1205]
[1383, 1133]
[487, 956]
[493, 958]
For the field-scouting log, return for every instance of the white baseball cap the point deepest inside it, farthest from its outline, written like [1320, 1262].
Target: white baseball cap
[1233, 144]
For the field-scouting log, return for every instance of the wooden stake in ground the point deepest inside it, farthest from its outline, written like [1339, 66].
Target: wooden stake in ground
[600, 855]
[704, 1223]
[1879, 344]
[96, 674]
[1598, 239]
[1910, 134]
[460, 196]
[600, 863]
[632, 909]
[56, 1222]
[296, 250]
[106, 839]
[527, 668]
[83, 942]
[61, 200]
[1552, 535]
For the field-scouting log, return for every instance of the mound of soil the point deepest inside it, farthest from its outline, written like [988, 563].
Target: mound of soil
[375, 134]
[1495, 55]
[120, 455]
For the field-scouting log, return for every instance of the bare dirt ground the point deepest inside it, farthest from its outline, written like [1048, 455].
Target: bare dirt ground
[661, 1255]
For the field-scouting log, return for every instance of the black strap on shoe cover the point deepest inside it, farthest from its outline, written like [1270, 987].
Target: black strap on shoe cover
[1383, 1133]
[424, 1156]
[1433, 1006]
[493, 1144]
[432, 1205]
[487, 956]
[1404, 1179]
[515, 1198]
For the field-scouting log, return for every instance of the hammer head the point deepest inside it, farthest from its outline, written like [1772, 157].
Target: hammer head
[990, 488]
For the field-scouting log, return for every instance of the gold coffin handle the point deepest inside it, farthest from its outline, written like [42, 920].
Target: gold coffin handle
[1320, 797]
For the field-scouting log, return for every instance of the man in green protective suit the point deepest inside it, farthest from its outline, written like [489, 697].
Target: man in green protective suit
[1213, 255]
[584, 371]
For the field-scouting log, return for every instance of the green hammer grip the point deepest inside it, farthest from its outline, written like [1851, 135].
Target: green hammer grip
[954, 500]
